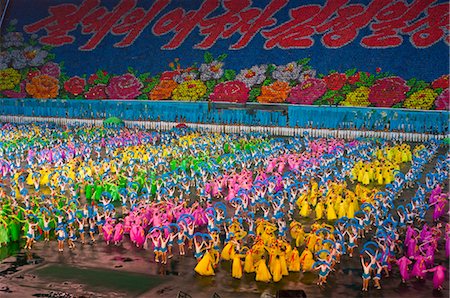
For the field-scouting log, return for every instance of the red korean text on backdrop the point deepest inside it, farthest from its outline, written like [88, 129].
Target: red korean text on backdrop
[239, 17]
[337, 21]
[398, 17]
[182, 22]
[63, 19]
[344, 28]
[431, 28]
[97, 20]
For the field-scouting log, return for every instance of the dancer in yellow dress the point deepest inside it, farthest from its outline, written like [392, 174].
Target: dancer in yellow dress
[331, 213]
[262, 272]
[228, 251]
[284, 267]
[366, 176]
[311, 240]
[236, 268]
[45, 172]
[303, 197]
[306, 210]
[342, 210]
[29, 181]
[249, 265]
[258, 250]
[205, 266]
[297, 233]
[306, 260]
[294, 261]
[319, 210]
[276, 269]
[388, 174]
[351, 208]
[379, 175]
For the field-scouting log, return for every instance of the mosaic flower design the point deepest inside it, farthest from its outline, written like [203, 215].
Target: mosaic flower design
[12, 40]
[387, 92]
[43, 86]
[357, 98]
[276, 92]
[126, 86]
[190, 90]
[443, 100]
[421, 100]
[307, 91]
[252, 76]
[29, 56]
[211, 71]
[5, 59]
[232, 91]
[288, 72]
[185, 76]
[9, 78]
[307, 74]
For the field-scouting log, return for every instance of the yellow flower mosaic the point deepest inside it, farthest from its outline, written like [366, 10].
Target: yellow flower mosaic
[191, 90]
[9, 78]
[421, 100]
[357, 98]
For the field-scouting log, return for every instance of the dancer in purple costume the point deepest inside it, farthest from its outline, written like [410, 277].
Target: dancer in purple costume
[411, 248]
[108, 232]
[438, 276]
[419, 267]
[439, 207]
[403, 263]
[118, 233]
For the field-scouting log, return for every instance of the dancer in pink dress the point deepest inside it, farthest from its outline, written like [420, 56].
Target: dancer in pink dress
[419, 267]
[108, 231]
[403, 263]
[438, 276]
[118, 232]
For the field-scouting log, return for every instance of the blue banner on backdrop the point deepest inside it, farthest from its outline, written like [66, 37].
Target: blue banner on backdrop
[407, 38]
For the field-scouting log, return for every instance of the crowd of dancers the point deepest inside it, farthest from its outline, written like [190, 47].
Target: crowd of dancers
[239, 198]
